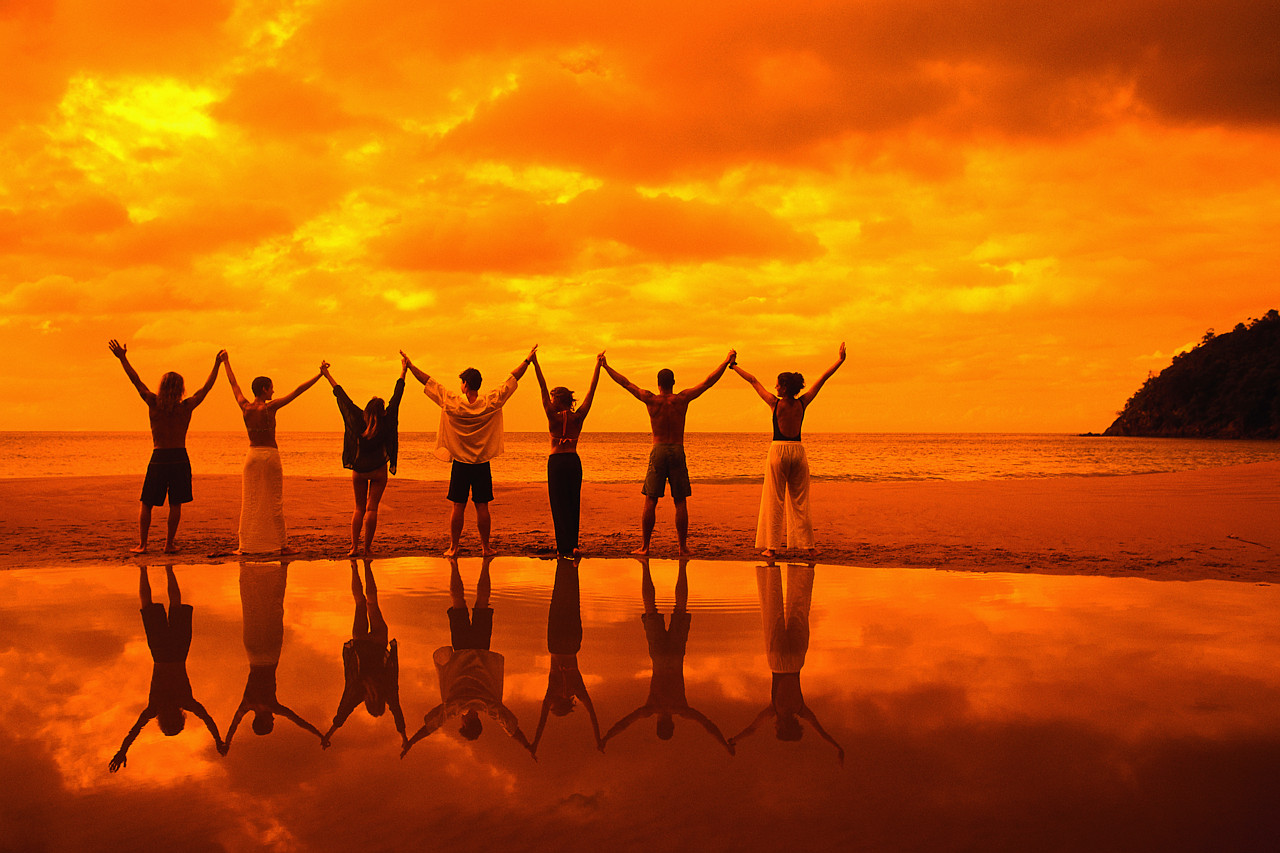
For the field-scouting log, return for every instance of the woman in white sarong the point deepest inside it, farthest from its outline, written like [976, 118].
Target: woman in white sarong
[262, 492]
[785, 497]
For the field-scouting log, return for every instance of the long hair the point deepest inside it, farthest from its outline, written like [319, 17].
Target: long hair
[374, 411]
[171, 388]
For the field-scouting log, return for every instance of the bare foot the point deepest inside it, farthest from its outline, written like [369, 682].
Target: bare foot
[813, 552]
[641, 552]
[171, 548]
[685, 552]
[489, 552]
[451, 552]
[286, 551]
[354, 552]
[767, 552]
[138, 549]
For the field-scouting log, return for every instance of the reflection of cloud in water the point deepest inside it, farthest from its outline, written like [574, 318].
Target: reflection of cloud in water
[1096, 713]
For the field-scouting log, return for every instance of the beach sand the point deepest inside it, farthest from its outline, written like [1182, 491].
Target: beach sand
[1221, 523]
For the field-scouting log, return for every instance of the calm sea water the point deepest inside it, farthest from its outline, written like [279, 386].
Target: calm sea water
[621, 457]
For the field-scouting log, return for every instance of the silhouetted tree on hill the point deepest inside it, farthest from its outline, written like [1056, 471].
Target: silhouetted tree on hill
[1228, 386]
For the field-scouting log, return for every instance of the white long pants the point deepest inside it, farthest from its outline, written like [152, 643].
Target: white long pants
[262, 502]
[785, 498]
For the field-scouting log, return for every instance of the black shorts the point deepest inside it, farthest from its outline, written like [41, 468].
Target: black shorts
[168, 473]
[470, 631]
[168, 635]
[474, 478]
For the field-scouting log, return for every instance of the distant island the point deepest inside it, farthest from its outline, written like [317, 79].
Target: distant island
[1227, 386]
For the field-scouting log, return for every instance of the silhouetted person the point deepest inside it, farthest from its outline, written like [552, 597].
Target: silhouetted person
[470, 434]
[262, 589]
[169, 471]
[667, 410]
[564, 468]
[370, 444]
[370, 664]
[785, 496]
[564, 640]
[786, 637]
[169, 638]
[262, 489]
[470, 675]
[666, 655]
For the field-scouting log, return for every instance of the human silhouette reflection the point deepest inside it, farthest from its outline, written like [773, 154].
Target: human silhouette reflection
[786, 638]
[564, 640]
[169, 638]
[666, 653]
[471, 676]
[370, 664]
[262, 588]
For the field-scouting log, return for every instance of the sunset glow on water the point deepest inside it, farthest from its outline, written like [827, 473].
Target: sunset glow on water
[989, 706]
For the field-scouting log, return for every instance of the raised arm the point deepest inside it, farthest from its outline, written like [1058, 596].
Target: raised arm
[807, 714]
[120, 351]
[808, 396]
[546, 405]
[235, 724]
[297, 392]
[524, 365]
[405, 362]
[755, 724]
[324, 371]
[618, 727]
[585, 405]
[231, 378]
[118, 760]
[697, 390]
[636, 391]
[433, 721]
[209, 724]
[698, 717]
[770, 399]
[203, 391]
[289, 714]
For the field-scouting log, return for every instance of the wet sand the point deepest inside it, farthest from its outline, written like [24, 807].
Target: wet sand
[1220, 523]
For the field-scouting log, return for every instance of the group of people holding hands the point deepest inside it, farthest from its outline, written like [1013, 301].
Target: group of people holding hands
[469, 436]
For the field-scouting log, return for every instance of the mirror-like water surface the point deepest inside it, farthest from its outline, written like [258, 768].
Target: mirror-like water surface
[935, 710]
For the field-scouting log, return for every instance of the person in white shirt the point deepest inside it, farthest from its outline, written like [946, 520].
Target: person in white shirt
[469, 435]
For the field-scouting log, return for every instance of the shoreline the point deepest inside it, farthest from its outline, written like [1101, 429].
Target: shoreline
[1213, 523]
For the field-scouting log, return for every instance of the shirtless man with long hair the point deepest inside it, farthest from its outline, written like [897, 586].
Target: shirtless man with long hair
[169, 471]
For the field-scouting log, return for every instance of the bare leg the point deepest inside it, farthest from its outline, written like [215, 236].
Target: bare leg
[360, 624]
[682, 526]
[360, 488]
[457, 594]
[483, 525]
[682, 587]
[144, 586]
[144, 528]
[647, 517]
[377, 625]
[482, 584]
[647, 593]
[175, 594]
[376, 488]
[455, 528]
[175, 517]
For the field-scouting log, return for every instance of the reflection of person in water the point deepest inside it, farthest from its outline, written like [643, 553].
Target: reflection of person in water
[564, 640]
[786, 637]
[666, 653]
[471, 676]
[370, 665]
[169, 638]
[262, 587]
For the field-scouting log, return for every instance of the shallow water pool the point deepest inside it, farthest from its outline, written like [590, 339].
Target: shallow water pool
[937, 710]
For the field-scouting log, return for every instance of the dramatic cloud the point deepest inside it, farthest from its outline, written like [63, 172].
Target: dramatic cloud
[1003, 207]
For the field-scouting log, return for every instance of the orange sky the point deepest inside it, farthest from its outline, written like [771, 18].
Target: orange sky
[1010, 211]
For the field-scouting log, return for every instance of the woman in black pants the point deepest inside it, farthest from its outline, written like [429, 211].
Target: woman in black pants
[564, 468]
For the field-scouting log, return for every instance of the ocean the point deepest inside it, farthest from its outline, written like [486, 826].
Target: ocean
[620, 457]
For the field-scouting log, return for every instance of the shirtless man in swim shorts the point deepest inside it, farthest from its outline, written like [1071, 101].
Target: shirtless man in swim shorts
[667, 410]
[169, 471]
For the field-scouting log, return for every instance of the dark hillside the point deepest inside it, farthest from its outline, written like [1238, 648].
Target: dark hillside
[1227, 387]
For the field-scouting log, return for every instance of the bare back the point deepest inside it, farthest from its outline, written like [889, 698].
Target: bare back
[260, 421]
[667, 413]
[169, 428]
[565, 428]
